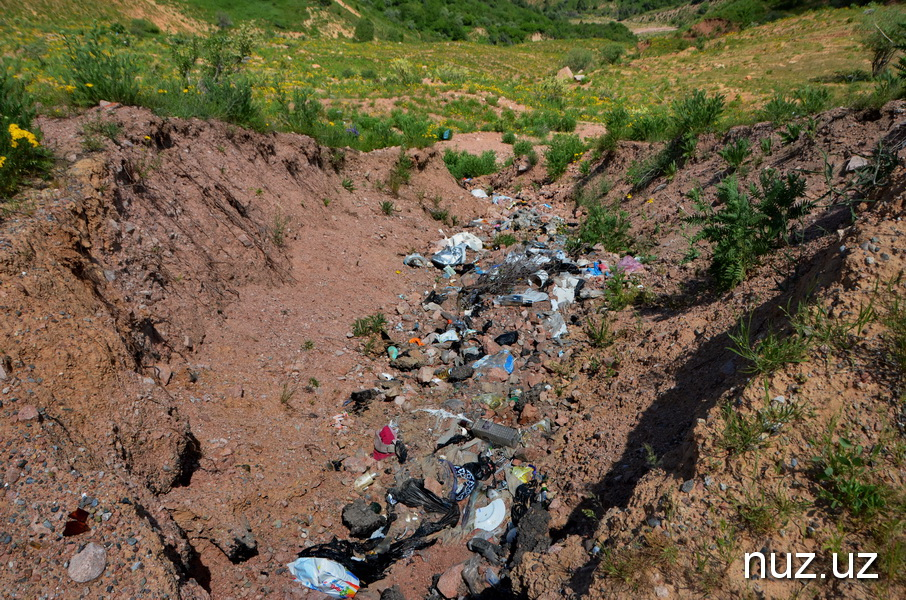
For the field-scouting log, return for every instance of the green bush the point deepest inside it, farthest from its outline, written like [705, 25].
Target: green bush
[300, 112]
[552, 92]
[464, 165]
[742, 231]
[403, 72]
[99, 71]
[509, 138]
[608, 226]
[812, 99]
[21, 152]
[142, 28]
[579, 59]
[617, 121]
[525, 148]
[843, 470]
[564, 149]
[779, 110]
[364, 31]
[612, 53]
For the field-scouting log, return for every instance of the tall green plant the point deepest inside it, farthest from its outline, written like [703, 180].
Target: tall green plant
[741, 231]
[21, 152]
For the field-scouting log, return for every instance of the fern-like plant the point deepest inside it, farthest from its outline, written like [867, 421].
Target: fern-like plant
[741, 231]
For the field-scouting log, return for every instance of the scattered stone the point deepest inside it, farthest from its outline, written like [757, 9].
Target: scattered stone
[27, 413]
[449, 583]
[869, 260]
[460, 373]
[687, 486]
[361, 519]
[88, 564]
[565, 73]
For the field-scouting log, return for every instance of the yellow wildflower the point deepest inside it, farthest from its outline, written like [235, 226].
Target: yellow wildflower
[89, 85]
[629, 196]
[147, 137]
[650, 200]
[2, 161]
[17, 133]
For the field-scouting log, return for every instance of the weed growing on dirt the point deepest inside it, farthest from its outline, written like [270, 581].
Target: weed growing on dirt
[763, 512]
[791, 134]
[769, 352]
[525, 148]
[286, 395]
[278, 230]
[621, 291]
[400, 172]
[690, 116]
[97, 71]
[742, 433]
[463, 165]
[370, 325]
[894, 319]
[508, 138]
[504, 239]
[388, 208]
[348, 185]
[736, 153]
[834, 332]
[847, 483]
[767, 145]
[599, 332]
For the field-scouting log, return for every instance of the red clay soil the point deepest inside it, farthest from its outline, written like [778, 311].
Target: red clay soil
[178, 310]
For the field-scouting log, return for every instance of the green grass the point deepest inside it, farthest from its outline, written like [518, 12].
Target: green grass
[462, 165]
[755, 67]
[599, 332]
[767, 353]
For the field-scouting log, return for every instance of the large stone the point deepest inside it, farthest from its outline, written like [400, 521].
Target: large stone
[361, 519]
[425, 375]
[565, 73]
[88, 564]
[449, 583]
[460, 373]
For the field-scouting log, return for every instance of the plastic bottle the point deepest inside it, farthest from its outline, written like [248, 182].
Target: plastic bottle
[363, 481]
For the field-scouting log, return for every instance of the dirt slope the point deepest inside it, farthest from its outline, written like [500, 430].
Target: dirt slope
[178, 308]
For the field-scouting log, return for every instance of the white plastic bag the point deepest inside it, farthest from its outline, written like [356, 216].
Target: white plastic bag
[325, 576]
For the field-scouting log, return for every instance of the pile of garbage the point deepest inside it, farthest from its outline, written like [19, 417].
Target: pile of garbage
[479, 339]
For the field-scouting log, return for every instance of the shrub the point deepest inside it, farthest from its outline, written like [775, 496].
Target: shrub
[142, 28]
[98, 71]
[300, 112]
[883, 34]
[742, 231]
[21, 152]
[780, 110]
[451, 74]
[525, 148]
[563, 150]
[400, 173]
[403, 72]
[608, 226]
[509, 138]
[369, 74]
[364, 31]
[612, 53]
[551, 91]
[617, 121]
[736, 153]
[812, 99]
[579, 59]
[696, 113]
[464, 165]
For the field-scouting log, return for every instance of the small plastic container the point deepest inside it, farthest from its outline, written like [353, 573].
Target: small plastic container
[364, 481]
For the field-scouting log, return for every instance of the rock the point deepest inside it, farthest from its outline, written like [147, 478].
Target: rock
[407, 363]
[661, 591]
[565, 73]
[460, 373]
[869, 260]
[530, 415]
[88, 564]
[495, 374]
[856, 162]
[392, 593]
[449, 583]
[687, 486]
[27, 413]
[361, 519]
[425, 375]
